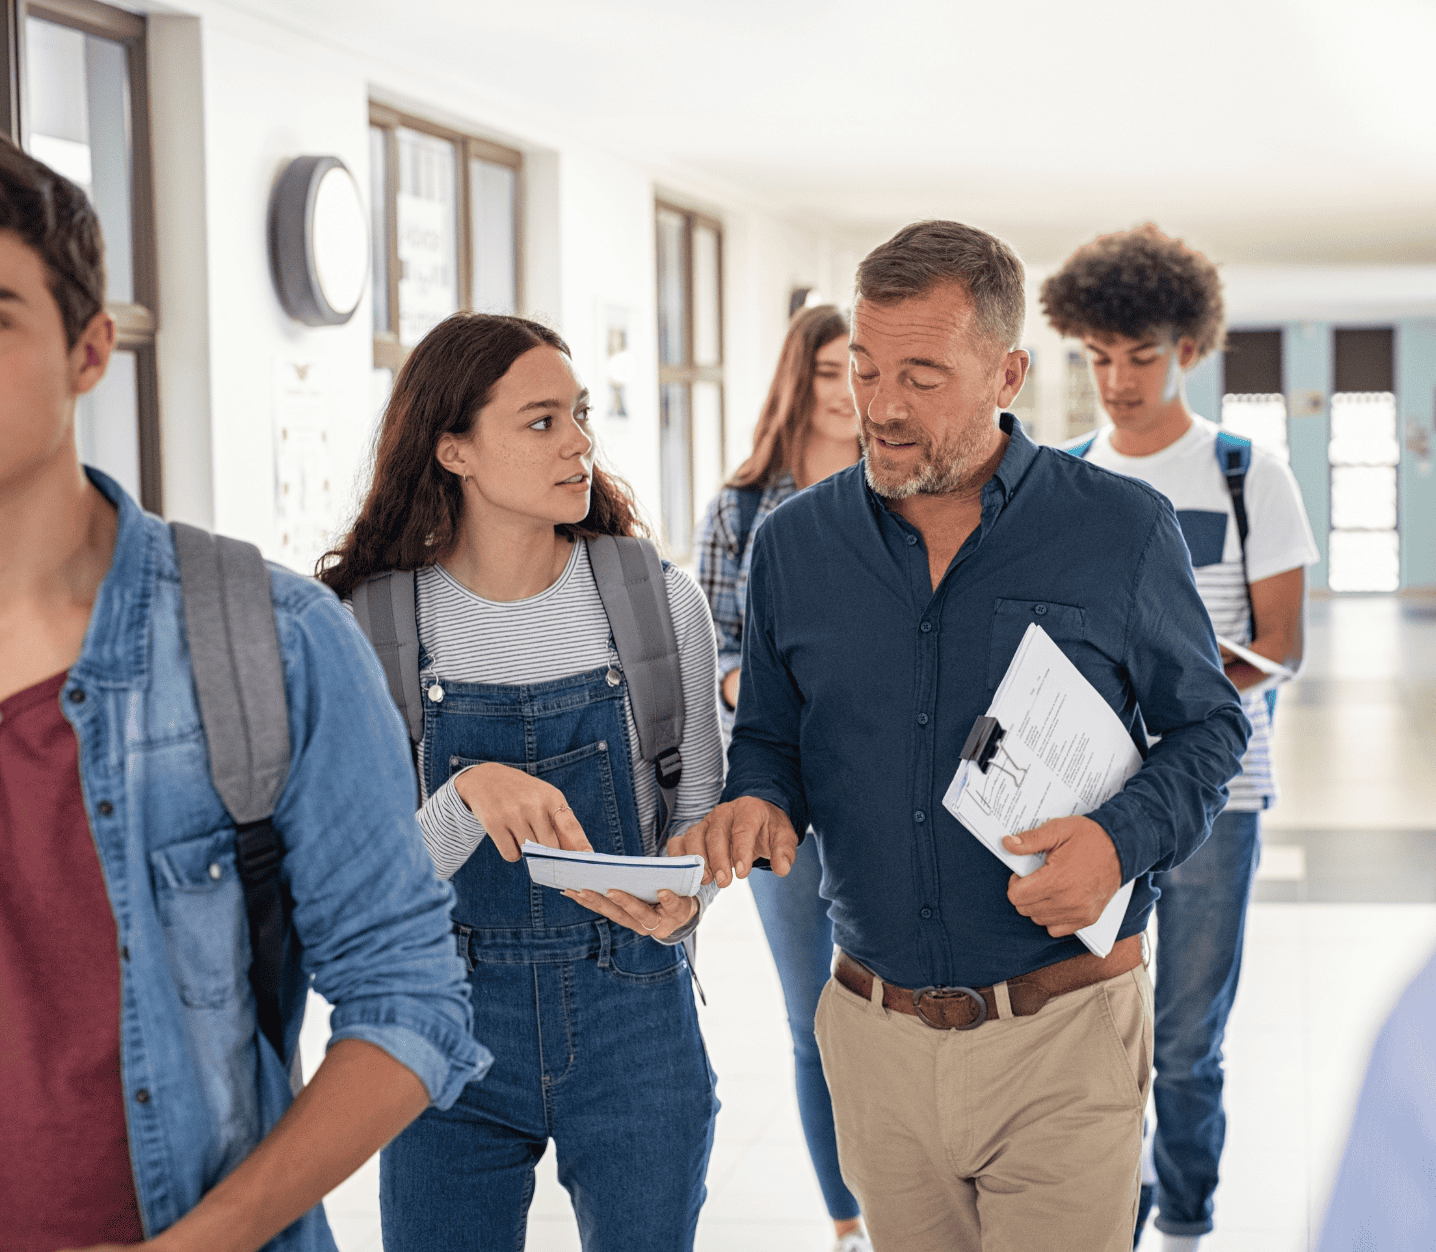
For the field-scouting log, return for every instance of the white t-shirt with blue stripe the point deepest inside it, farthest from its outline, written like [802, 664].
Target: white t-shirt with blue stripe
[1279, 538]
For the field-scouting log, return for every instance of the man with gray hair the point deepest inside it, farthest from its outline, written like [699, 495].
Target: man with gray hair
[988, 1073]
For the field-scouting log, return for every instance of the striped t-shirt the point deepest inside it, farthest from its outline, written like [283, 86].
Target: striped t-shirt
[559, 632]
[1279, 539]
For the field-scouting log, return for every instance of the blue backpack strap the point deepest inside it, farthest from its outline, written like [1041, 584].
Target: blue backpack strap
[1082, 449]
[1234, 459]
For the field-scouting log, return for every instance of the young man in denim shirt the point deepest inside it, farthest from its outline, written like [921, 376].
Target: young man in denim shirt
[142, 1102]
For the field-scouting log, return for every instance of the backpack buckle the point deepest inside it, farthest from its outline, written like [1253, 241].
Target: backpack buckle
[669, 767]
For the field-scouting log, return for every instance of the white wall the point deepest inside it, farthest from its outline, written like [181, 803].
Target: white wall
[237, 97]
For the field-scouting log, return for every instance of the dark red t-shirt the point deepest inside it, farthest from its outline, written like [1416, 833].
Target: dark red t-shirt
[65, 1177]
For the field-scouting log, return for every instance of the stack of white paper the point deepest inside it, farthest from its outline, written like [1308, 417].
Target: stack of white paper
[640, 876]
[1064, 753]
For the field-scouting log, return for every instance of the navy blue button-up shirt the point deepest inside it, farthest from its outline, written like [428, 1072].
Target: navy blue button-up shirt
[860, 684]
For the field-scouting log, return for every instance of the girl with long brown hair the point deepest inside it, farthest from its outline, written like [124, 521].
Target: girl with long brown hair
[485, 485]
[807, 430]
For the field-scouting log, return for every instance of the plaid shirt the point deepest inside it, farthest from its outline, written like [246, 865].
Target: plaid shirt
[723, 569]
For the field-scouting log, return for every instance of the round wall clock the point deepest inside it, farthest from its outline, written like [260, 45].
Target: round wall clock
[318, 241]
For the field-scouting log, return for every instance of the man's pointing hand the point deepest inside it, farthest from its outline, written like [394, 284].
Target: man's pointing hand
[733, 835]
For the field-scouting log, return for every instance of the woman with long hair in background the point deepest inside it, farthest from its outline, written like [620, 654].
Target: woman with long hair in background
[807, 430]
[485, 485]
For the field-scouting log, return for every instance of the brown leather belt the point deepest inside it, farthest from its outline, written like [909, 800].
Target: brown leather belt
[963, 1008]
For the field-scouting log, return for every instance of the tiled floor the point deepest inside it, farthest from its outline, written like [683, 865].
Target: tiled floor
[1346, 915]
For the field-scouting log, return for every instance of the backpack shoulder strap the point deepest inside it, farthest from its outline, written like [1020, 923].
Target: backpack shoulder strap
[1082, 449]
[384, 607]
[748, 500]
[629, 576]
[631, 585]
[239, 679]
[1234, 459]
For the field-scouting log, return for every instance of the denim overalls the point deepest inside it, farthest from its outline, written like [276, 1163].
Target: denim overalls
[593, 1027]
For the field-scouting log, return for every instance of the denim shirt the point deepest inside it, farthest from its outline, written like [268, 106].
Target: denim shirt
[370, 923]
[860, 683]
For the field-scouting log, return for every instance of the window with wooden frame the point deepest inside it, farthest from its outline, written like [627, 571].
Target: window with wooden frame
[76, 97]
[690, 368]
[446, 211]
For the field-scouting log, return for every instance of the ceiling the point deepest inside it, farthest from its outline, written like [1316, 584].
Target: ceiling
[1269, 131]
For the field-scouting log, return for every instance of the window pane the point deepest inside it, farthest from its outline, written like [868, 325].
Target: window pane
[707, 444]
[1363, 497]
[1081, 396]
[674, 462]
[379, 232]
[427, 213]
[494, 190]
[107, 423]
[77, 90]
[707, 348]
[1260, 418]
[1364, 560]
[672, 291]
[1363, 428]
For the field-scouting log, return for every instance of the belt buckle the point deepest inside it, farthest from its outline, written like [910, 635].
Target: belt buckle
[949, 993]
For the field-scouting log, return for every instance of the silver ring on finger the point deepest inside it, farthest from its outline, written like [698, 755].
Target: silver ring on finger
[563, 808]
[655, 926]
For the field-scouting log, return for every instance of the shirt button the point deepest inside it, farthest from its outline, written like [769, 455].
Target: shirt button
[215, 871]
[925, 914]
[1039, 609]
[919, 817]
[922, 719]
[436, 693]
[603, 745]
[105, 807]
[926, 628]
[911, 540]
[143, 1095]
[77, 696]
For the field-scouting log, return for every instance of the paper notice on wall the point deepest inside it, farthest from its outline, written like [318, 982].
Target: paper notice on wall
[303, 463]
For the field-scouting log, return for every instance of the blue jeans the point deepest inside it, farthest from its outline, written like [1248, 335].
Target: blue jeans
[600, 1053]
[800, 936]
[1201, 920]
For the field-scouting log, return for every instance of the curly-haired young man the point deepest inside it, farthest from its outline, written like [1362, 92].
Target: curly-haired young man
[1147, 309]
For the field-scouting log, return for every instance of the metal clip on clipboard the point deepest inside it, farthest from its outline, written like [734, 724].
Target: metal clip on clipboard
[982, 741]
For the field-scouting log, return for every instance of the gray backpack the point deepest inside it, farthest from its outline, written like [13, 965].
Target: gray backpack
[629, 576]
[239, 678]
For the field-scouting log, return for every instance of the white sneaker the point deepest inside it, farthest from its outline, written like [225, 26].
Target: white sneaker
[854, 1241]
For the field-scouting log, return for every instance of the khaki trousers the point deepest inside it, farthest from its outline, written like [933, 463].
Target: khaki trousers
[1023, 1135]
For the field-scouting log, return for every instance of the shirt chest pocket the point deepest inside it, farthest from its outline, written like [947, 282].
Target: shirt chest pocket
[1065, 623]
[201, 906]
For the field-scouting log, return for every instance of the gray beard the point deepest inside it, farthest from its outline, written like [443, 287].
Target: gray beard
[943, 471]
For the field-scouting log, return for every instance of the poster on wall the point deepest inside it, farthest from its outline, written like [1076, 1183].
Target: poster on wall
[304, 498]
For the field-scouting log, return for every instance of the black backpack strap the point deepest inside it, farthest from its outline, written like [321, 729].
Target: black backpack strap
[239, 679]
[385, 608]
